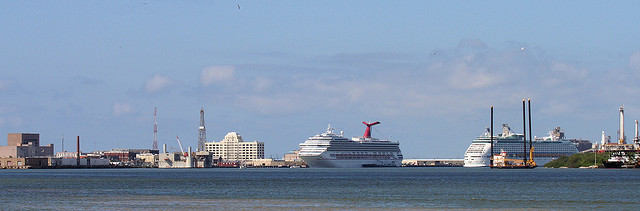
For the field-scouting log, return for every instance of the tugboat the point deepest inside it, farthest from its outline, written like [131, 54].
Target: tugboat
[617, 160]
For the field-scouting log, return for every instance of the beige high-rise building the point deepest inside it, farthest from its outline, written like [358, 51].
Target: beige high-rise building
[233, 148]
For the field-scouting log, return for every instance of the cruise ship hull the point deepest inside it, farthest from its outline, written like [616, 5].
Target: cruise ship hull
[329, 150]
[545, 149]
[320, 162]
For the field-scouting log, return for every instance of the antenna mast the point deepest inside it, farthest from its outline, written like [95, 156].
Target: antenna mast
[202, 132]
[155, 128]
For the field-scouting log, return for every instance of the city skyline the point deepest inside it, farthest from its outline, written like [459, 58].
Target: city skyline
[280, 72]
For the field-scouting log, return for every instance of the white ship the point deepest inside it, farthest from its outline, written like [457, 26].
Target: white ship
[329, 150]
[545, 149]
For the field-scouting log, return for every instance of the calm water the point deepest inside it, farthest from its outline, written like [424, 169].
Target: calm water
[360, 189]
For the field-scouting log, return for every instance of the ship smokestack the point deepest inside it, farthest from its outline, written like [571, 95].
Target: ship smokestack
[164, 148]
[367, 133]
[621, 141]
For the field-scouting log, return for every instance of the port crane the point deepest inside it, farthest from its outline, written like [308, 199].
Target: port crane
[180, 144]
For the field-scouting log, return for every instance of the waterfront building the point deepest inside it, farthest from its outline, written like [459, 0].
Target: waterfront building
[128, 156]
[292, 156]
[265, 163]
[119, 156]
[24, 145]
[149, 158]
[203, 159]
[19, 163]
[175, 159]
[234, 148]
[293, 159]
[66, 154]
[84, 161]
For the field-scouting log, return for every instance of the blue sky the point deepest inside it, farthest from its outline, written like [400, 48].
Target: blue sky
[280, 71]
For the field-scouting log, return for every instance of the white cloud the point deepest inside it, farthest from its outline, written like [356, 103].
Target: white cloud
[463, 80]
[562, 73]
[121, 109]
[466, 78]
[216, 73]
[157, 83]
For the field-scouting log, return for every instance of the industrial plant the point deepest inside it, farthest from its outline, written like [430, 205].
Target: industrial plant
[622, 153]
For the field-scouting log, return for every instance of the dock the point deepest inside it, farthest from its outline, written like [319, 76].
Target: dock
[433, 162]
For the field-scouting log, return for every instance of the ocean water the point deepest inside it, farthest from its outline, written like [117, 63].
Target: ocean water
[334, 189]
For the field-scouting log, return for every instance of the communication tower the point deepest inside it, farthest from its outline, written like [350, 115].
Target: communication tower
[202, 132]
[155, 128]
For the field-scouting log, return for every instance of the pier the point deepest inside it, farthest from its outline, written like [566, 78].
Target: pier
[432, 162]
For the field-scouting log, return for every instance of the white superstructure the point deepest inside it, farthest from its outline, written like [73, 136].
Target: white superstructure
[545, 149]
[329, 150]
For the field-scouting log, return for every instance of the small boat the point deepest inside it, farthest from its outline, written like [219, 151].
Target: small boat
[502, 162]
[617, 160]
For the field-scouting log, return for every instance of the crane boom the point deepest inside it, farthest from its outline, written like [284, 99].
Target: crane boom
[180, 145]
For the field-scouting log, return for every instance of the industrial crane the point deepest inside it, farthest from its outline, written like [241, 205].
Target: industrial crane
[182, 150]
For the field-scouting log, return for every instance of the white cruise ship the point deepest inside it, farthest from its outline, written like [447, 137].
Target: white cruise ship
[544, 149]
[329, 150]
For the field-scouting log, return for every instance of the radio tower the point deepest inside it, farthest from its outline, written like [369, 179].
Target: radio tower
[202, 132]
[155, 128]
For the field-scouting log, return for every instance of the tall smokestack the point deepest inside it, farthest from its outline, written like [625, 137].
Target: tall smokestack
[78, 150]
[604, 139]
[621, 141]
